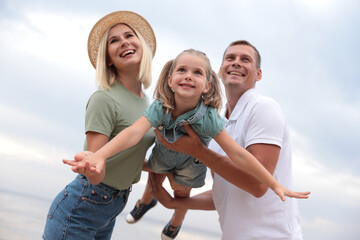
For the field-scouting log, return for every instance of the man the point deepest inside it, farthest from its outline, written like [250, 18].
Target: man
[247, 210]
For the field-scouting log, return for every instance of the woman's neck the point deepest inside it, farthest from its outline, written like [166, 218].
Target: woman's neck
[130, 81]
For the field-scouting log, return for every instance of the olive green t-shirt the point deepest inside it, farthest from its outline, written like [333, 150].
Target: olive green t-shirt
[109, 112]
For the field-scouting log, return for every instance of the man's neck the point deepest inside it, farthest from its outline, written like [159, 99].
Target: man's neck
[232, 96]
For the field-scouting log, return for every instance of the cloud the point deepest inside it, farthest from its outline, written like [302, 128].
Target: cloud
[311, 175]
[48, 37]
[37, 135]
[314, 175]
[26, 151]
[310, 66]
[321, 228]
[31, 150]
[329, 9]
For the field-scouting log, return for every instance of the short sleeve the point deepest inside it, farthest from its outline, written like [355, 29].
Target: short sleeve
[154, 113]
[267, 124]
[213, 123]
[100, 114]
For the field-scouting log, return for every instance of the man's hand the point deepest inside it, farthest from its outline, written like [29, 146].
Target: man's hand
[155, 181]
[189, 144]
[202, 201]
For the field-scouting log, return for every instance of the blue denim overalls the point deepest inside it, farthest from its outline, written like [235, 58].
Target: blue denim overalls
[188, 170]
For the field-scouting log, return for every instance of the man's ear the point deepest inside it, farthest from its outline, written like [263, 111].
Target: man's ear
[220, 74]
[258, 74]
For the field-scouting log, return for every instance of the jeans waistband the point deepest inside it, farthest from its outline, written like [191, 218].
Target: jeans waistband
[109, 189]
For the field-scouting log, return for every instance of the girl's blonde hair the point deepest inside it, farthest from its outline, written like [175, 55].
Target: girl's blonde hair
[164, 93]
[107, 76]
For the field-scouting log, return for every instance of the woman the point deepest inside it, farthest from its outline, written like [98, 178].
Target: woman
[121, 46]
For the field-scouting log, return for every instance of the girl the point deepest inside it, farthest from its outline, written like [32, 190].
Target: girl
[121, 46]
[187, 92]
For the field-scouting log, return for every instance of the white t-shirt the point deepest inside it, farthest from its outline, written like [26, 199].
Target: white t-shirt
[257, 119]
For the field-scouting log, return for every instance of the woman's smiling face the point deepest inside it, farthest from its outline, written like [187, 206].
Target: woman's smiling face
[123, 47]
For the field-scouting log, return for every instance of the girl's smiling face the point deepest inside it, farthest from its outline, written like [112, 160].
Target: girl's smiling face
[188, 79]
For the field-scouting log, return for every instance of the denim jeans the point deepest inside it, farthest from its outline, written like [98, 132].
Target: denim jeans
[84, 211]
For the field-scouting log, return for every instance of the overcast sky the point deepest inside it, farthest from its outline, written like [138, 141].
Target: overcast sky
[310, 63]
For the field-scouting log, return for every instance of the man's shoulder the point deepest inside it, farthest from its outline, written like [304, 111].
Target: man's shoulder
[263, 102]
[265, 110]
[260, 98]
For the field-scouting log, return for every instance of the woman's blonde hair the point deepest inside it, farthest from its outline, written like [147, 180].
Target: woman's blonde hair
[107, 76]
[164, 93]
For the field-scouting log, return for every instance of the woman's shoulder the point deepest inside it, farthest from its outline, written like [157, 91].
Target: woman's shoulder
[100, 95]
[114, 92]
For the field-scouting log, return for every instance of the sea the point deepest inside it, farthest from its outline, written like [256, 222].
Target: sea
[23, 216]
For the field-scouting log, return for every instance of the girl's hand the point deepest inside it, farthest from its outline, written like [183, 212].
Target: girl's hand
[87, 164]
[282, 191]
[79, 163]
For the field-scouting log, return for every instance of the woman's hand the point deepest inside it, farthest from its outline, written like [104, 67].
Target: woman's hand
[87, 164]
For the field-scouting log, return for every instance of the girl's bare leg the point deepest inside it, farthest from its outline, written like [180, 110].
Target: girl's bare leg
[144, 204]
[147, 196]
[180, 191]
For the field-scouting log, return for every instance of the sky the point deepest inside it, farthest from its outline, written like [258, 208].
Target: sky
[310, 65]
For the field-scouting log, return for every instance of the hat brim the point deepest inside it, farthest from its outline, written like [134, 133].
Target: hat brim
[132, 19]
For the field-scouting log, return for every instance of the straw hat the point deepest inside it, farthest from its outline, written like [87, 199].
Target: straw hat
[132, 19]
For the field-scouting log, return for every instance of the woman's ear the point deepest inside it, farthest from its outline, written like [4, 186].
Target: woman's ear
[108, 62]
[169, 80]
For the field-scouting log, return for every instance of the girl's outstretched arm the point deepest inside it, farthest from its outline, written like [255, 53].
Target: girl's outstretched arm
[95, 141]
[190, 144]
[251, 165]
[95, 163]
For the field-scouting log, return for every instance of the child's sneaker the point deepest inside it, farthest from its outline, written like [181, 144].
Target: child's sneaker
[139, 210]
[169, 232]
